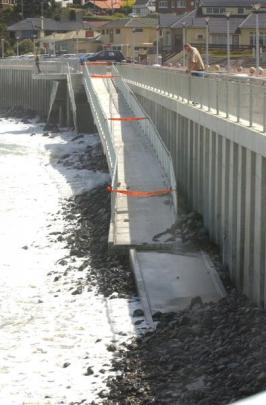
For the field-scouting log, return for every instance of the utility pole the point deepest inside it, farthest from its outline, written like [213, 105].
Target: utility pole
[3, 47]
[42, 21]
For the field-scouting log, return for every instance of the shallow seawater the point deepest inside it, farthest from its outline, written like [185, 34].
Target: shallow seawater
[48, 339]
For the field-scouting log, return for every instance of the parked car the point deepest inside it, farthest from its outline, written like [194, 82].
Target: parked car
[106, 55]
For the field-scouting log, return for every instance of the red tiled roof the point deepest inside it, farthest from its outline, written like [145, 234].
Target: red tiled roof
[107, 4]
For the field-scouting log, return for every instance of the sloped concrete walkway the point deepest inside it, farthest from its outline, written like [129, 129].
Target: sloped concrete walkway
[137, 221]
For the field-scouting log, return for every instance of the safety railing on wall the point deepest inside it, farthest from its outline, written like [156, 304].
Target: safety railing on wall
[149, 130]
[239, 99]
[51, 65]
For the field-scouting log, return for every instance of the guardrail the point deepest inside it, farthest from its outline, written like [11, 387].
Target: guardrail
[46, 66]
[101, 121]
[239, 99]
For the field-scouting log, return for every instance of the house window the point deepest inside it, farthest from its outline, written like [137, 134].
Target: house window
[200, 36]
[240, 10]
[103, 32]
[117, 31]
[180, 3]
[138, 30]
[215, 10]
[163, 4]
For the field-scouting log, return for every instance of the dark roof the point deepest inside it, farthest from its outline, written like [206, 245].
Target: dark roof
[166, 20]
[141, 3]
[230, 3]
[216, 24]
[34, 24]
[121, 22]
[142, 22]
[250, 21]
[135, 22]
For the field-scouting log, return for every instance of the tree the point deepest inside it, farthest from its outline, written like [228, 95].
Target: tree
[25, 46]
[35, 8]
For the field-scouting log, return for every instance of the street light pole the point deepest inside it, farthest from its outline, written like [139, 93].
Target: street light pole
[17, 38]
[257, 7]
[228, 40]
[42, 21]
[3, 47]
[157, 44]
[184, 43]
[133, 45]
[77, 41]
[207, 19]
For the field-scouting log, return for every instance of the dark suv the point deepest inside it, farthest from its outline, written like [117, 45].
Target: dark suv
[112, 56]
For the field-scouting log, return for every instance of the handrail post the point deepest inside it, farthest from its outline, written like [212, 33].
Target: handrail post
[238, 102]
[227, 96]
[189, 89]
[217, 95]
[250, 104]
[264, 111]
[208, 94]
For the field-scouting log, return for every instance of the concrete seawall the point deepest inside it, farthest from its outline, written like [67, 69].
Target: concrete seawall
[18, 89]
[220, 168]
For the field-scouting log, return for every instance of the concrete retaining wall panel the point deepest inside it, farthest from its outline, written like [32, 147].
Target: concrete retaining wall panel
[18, 89]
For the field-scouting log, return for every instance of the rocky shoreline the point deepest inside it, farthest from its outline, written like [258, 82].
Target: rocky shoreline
[208, 354]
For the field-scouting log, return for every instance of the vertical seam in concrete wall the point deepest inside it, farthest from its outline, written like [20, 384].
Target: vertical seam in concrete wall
[256, 290]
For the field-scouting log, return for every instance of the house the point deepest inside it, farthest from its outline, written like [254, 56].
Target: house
[193, 28]
[213, 17]
[135, 37]
[236, 8]
[174, 6]
[81, 41]
[247, 31]
[64, 3]
[31, 27]
[6, 3]
[142, 8]
[166, 32]
[105, 5]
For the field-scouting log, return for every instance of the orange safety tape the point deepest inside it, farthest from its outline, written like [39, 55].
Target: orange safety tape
[99, 63]
[163, 191]
[127, 118]
[103, 76]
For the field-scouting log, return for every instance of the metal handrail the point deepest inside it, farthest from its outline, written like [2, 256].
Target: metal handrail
[236, 98]
[101, 122]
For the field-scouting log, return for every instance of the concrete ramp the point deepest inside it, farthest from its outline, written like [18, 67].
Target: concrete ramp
[167, 282]
[142, 221]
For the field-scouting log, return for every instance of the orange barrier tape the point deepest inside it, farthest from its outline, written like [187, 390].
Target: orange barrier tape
[103, 76]
[163, 191]
[127, 118]
[99, 63]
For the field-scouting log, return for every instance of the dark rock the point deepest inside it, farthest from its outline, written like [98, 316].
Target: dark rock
[89, 371]
[138, 313]
[66, 364]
